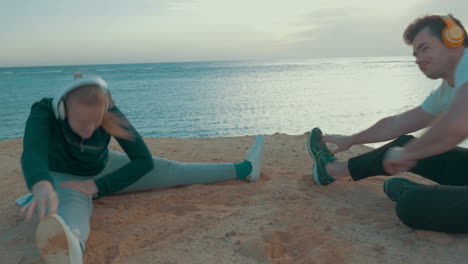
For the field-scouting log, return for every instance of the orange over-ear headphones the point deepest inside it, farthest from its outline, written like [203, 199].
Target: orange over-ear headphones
[452, 35]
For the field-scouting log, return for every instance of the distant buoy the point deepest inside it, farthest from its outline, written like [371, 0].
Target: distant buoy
[77, 75]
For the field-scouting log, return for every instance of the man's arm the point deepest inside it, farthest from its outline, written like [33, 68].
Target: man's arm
[394, 126]
[446, 132]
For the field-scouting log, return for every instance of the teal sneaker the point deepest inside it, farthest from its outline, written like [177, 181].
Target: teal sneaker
[321, 154]
[395, 187]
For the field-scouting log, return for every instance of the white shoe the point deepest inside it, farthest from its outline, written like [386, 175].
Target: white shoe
[24, 200]
[56, 243]
[255, 156]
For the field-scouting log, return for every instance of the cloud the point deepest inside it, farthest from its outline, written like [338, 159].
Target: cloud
[344, 31]
[86, 8]
[361, 30]
[459, 8]
[111, 30]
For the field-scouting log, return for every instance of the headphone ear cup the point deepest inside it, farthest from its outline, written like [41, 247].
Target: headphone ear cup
[108, 101]
[61, 110]
[449, 38]
[452, 35]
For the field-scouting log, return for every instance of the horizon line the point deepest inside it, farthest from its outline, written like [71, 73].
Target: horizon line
[196, 61]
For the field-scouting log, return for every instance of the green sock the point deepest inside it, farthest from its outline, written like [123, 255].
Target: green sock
[243, 169]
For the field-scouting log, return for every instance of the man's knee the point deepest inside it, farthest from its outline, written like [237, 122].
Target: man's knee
[403, 140]
[407, 209]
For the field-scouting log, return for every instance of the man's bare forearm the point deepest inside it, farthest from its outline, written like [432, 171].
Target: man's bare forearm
[380, 131]
[394, 126]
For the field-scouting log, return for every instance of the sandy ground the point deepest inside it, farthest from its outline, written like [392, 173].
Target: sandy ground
[282, 218]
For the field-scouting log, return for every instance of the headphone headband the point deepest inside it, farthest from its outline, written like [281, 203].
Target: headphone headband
[58, 103]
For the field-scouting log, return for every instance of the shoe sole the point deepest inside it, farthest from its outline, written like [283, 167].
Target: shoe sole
[314, 169]
[257, 147]
[52, 241]
[315, 174]
[308, 144]
[385, 185]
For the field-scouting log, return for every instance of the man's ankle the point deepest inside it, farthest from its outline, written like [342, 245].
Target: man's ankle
[331, 169]
[336, 169]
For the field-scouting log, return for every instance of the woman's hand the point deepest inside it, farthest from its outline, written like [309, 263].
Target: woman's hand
[86, 187]
[341, 142]
[44, 198]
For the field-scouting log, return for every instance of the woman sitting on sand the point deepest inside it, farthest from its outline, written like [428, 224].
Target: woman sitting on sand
[66, 163]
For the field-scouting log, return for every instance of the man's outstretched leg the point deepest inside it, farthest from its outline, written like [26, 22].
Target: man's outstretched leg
[449, 168]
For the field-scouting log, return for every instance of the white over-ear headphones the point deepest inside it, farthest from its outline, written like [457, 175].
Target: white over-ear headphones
[58, 103]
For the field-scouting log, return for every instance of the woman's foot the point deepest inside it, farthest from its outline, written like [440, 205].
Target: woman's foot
[56, 243]
[255, 156]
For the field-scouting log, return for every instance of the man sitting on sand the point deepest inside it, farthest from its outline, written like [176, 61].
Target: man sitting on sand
[440, 47]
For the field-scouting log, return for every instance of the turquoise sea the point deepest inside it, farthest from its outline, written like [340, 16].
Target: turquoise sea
[233, 98]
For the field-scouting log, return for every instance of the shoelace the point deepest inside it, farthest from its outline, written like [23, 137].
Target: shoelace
[323, 147]
[323, 156]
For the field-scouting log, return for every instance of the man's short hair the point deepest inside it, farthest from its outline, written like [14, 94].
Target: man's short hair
[434, 23]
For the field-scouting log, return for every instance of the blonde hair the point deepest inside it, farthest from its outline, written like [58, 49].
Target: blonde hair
[112, 123]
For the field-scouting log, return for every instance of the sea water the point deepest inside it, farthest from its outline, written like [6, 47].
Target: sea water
[233, 98]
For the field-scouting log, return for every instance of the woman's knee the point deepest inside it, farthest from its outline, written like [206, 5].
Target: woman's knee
[71, 198]
[72, 194]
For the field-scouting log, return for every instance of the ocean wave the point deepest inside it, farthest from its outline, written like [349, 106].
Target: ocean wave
[7, 72]
[51, 71]
[387, 62]
[40, 72]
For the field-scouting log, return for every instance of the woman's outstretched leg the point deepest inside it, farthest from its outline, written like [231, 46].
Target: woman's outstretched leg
[69, 227]
[168, 173]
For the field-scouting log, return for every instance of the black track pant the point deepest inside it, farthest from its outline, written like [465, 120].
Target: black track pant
[441, 207]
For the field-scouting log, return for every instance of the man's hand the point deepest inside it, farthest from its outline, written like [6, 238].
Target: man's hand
[341, 142]
[397, 160]
[44, 198]
[86, 187]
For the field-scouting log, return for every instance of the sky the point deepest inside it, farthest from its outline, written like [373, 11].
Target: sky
[63, 32]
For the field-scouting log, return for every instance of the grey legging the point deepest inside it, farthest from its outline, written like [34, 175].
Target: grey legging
[75, 208]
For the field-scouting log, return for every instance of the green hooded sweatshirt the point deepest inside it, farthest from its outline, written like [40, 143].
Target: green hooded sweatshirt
[49, 144]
